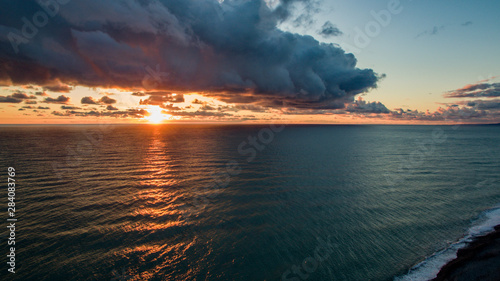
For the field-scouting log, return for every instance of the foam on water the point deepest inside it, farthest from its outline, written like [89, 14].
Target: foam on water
[430, 267]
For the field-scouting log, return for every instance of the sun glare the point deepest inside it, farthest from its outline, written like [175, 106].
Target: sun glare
[156, 116]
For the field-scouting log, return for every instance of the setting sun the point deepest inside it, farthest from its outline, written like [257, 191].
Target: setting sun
[156, 116]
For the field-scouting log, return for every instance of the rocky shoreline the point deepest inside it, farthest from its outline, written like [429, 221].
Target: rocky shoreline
[480, 260]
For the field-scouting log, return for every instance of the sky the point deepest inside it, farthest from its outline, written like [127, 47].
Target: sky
[249, 61]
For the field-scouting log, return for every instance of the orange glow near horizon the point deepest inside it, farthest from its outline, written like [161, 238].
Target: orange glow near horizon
[156, 115]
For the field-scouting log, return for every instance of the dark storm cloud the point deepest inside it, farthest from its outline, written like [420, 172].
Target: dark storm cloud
[59, 99]
[306, 17]
[359, 107]
[485, 90]
[329, 30]
[227, 50]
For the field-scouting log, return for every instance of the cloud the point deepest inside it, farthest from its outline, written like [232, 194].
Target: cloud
[107, 100]
[58, 88]
[59, 99]
[433, 31]
[306, 16]
[207, 107]
[131, 113]
[139, 94]
[22, 96]
[362, 106]
[16, 97]
[478, 111]
[170, 107]
[184, 46]
[159, 98]
[451, 113]
[485, 90]
[471, 111]
[250, 107]
[69, 107]
[103, 100]
[110, 107]
[359, 107]
[329, 30]
[34, 107]
[200, 113]
[89, 100]
[197, 101]
[485, 104]
[467, 23]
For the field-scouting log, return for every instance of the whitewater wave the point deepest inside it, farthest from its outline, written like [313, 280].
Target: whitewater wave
[430, 267]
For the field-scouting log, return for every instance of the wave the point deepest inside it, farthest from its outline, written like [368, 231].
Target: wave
[430, 267]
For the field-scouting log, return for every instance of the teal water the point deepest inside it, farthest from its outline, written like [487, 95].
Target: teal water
[200, 202]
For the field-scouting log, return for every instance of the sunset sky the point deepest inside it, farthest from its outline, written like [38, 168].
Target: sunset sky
[288, 61]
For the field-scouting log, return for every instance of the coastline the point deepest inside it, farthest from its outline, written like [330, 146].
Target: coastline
[479, 260]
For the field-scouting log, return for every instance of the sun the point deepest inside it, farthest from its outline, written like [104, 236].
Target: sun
[156, 116]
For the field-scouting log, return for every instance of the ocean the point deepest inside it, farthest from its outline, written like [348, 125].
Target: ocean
[245, 202]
